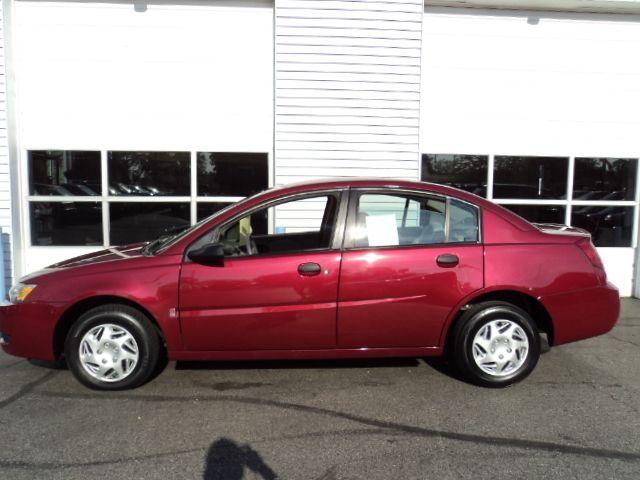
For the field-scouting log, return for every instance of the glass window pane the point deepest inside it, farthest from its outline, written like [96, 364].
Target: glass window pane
[463, 222]
[467, 172]
[539, 213]
[530, 177]
[66, 223]
[232, 174]
[604, 179]
[302, 224]
[609, 226]
[140, 222]
[388, 220]
[206, 209]
[57, 172]
[149, 173]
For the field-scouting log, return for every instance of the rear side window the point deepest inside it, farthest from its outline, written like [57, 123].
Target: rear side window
[463, 222]
[383, 220]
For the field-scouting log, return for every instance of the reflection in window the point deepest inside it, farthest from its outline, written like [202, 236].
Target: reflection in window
[467, 172]
[540, 213]
[604, 179]
[232, 174]
[530, 177]
[149, 173]
[64, 173]
[66, 223]
[139, 222]
[206, 209]
[610, 226]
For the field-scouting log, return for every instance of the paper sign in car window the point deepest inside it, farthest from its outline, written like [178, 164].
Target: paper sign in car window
[382, 230]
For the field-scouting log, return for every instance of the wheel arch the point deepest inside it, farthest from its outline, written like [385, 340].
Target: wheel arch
[72, 313]
[529, 304]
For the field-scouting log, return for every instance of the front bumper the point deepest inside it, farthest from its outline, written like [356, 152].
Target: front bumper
[26, 329]
[583, 313]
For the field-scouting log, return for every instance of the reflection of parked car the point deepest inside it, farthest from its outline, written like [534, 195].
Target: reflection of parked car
[44, 189]
[79, 189]
[607, 224]
[384, 268]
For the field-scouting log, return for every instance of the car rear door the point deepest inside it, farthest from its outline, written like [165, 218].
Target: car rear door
[409, 258]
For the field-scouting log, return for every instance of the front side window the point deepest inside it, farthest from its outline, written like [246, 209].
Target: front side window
[383, 220]
[294, 226]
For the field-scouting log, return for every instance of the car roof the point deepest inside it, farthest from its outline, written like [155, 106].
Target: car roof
[382, 183]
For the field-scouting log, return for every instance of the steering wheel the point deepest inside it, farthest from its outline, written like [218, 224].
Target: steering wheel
[231, 248]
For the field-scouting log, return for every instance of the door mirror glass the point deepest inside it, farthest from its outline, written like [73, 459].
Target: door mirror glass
[211, 254]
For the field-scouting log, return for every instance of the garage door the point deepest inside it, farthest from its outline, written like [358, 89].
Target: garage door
[107, 90]
[539, 112]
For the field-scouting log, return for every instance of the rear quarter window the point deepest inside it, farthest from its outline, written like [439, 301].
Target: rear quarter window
[463, 222]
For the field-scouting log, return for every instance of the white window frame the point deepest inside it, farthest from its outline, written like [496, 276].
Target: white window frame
[568, 202]
[105, 199]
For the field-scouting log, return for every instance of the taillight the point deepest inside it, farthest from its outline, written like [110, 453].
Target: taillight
[590, 251]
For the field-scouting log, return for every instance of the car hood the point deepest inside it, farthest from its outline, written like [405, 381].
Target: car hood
[107, 255]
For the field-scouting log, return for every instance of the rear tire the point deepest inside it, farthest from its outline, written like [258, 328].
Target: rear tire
[495, 344]
[112, 347]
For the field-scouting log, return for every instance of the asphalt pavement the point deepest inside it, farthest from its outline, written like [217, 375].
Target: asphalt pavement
[577, 416]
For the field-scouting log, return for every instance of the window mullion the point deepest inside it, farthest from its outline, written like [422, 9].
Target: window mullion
[570, 174]
[194, 187]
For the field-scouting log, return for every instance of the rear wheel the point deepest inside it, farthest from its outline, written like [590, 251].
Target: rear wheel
[496, 344]
[112, 347]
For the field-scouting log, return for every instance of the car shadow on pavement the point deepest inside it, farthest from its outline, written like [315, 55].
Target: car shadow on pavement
[226, 460]
[298, 364]
[445, 367]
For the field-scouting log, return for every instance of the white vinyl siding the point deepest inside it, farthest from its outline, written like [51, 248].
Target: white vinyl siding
[5, 182]
[347, 89]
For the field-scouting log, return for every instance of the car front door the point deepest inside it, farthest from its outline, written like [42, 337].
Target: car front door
[409, 258]
[277, 286]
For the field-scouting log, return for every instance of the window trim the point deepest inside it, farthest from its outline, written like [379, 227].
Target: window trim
[349, 242]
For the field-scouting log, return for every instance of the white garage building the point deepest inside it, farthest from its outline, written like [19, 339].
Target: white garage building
[120, 118]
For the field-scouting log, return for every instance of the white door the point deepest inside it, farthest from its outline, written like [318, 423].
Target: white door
[518, 84]
[110, 77]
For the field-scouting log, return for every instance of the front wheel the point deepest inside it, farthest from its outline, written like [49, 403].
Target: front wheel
[112, 347]
[496, 344]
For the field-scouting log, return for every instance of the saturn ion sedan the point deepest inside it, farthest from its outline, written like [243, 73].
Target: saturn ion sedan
[333, 269]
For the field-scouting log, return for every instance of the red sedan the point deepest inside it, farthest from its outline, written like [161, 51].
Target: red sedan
[336, 269]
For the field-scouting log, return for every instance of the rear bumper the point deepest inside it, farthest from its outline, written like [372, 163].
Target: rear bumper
[27, 330]
[583, 313]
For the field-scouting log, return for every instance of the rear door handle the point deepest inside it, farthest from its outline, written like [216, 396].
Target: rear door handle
[309, 269]
[447, 260]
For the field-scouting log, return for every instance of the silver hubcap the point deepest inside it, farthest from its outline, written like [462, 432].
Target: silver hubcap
[108, 352]
[500, 348]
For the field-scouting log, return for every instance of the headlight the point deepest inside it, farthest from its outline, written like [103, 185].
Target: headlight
[19, 292]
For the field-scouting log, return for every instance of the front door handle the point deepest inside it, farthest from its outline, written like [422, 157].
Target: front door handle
[447, 260]
[309, 269]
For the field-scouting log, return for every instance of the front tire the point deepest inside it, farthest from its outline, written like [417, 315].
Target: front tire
[112, 347]
[496, 344]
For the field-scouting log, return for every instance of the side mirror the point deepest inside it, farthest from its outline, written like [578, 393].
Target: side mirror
[211, 254]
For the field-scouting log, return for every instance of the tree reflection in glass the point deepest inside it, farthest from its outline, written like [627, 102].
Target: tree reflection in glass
[466, 172]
